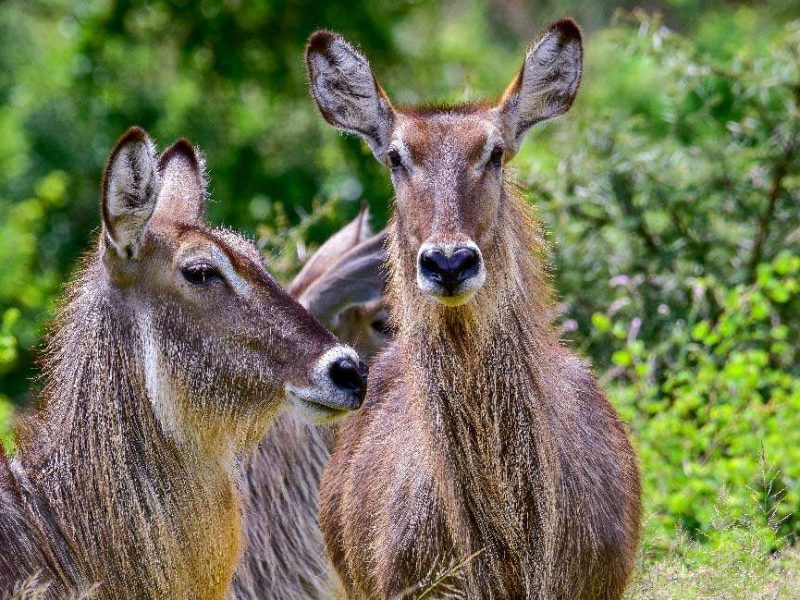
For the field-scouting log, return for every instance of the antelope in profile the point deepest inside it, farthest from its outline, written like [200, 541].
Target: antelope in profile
[173, 353]
[284, 553]
[487, 462]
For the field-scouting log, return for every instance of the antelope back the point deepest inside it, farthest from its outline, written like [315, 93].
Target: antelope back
[352, 234]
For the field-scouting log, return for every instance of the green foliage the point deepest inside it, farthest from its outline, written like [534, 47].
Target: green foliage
[8, 354]
[727, 414]
[28, 280]
[676, 227]
[6, 416]
[678, 165]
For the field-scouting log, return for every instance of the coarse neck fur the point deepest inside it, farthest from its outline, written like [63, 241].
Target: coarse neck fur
[478, 380]
[142, 514]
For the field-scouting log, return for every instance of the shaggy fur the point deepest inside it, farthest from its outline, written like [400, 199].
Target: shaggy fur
[486, 462]
[123, 484]
[284, 554]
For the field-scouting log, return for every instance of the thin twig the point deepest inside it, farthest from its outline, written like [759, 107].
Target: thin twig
[447, 574]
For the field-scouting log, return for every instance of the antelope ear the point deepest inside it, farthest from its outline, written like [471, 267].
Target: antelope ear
[130, 190]
[346, 92]
[355, 232]
[546, 84]
[183, 188]
[357, 278]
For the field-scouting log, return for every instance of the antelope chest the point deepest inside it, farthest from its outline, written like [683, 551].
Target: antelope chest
[383, 508]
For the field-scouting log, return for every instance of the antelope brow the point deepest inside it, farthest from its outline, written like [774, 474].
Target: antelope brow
[493, 139]
[240, 285]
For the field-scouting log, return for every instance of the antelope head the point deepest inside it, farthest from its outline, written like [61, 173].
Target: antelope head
[447, 163]
[222, 344]
[343, 283]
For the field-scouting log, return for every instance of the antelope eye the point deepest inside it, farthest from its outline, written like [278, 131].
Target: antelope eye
[395, 162]
[496, 157]
[381, 326]
[200, 273]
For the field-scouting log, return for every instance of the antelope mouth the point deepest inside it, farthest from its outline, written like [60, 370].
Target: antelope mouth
[451, 299]
[337, 385]
[314, 410]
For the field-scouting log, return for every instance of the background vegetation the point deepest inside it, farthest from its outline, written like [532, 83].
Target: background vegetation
[670, 194]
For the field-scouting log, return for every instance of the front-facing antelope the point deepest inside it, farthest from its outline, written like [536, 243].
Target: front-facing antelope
[487, 461]
[173, 352]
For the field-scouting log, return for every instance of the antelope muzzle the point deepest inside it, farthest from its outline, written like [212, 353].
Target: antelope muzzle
[337, 385]
[451, 273]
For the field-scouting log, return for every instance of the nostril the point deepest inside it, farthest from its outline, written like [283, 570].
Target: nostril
[348, 375]
[450, 271]
[464, 263]
[434, 264]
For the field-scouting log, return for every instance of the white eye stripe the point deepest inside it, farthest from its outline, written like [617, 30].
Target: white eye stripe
[398, 146]
[493, 140]
[223, 263]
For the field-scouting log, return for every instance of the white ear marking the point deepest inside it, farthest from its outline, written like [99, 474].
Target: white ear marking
[130, 189]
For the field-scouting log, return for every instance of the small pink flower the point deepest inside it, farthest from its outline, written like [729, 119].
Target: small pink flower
[619, 280]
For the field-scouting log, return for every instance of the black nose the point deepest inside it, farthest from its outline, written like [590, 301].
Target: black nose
[348, 375]
[449, 272]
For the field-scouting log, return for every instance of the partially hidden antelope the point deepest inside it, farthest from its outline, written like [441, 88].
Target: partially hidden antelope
[342, 285]
[487, 462]
[172, 354]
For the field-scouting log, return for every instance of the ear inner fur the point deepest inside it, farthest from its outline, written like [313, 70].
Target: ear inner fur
[346, 91]
[547, 82]
[129, 192]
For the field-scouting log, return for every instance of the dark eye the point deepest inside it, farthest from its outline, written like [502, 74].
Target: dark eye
[381, 326]
[200, 273]
[395, 162]
[496, 157]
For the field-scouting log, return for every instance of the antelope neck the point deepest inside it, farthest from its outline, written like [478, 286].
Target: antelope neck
[100, 457]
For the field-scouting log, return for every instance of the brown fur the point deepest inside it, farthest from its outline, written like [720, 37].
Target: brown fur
[486, 462]
[124, 482]
[284, 554]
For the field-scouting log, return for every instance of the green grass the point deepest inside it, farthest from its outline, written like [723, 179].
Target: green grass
[737, 569]
[739, 557]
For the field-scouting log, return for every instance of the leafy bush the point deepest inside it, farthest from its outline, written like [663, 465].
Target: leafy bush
[727, 415]
[679, 164]
[8, 354]
[28, 279]
[676, 232]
